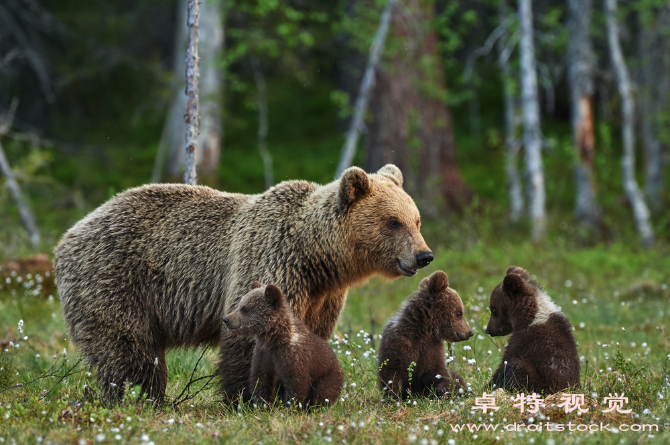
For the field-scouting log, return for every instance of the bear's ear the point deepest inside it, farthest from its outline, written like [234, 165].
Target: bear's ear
[273, 295]
[514, 285]
[435, 283]
[256, 285]
[354, 185]
[518, 271]
[393, 173]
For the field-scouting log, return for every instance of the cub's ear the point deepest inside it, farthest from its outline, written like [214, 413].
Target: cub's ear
[518, 271]
[514, 285]
[256, 285]
[392, 172]
[354, 185]
[435, 283]
[274, 295]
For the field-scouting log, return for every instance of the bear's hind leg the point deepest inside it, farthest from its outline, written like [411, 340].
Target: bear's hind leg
[134, 364]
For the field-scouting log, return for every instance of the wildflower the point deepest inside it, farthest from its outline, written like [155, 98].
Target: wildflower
[100, 437]
[144, 438]
[467, 348]
[64, 352]
[568, 283]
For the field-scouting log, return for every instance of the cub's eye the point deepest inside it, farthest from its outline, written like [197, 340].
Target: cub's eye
[459, 314]
[494, 311]
[394, 223]
[244, 309]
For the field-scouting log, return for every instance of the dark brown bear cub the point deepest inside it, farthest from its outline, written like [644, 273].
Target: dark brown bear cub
[541, 355]
[417, 334]
[287, 356]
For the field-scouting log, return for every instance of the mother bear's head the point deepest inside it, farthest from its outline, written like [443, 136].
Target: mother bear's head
[382, 222]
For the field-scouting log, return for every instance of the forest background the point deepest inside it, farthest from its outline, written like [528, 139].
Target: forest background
[530, 133]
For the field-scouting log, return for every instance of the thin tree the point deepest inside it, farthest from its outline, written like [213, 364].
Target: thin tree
[25, 213]
[640, 209]
[654, 46]
[192, 76]
[210, 87]
[514, 188]
[262, 135]
[349, 148]
[531, 121]
[580, 79]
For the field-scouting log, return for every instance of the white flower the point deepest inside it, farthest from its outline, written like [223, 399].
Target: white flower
[156, 362]
[100, 437]
[199, 425]
[466, 348]
[117, 437]
[568, 283]
[144, 438]
[64, 352]
[438, 376]
[170, 421]
[440, 432]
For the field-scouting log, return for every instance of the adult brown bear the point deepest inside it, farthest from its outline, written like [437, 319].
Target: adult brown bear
[158, 266]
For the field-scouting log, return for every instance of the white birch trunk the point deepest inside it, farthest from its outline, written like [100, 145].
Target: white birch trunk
[635, 197]
[580, 80]
[24, 211]
[262, 135]
[349, 148]
[192, 116]
[514, 188]
[531, 121]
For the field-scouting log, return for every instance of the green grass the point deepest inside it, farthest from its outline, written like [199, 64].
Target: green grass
[616, 297]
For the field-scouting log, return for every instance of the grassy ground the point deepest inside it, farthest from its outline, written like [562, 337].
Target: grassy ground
[615, 296]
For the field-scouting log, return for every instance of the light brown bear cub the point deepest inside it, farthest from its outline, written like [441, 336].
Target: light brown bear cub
[287, 356]
[417, 334]
[541, 355]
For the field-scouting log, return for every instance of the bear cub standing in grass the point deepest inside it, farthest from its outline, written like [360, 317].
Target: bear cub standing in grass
[417, 334]
[287, 356]
[541, 355]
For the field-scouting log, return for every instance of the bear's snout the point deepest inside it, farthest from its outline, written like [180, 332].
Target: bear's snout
[424, 258]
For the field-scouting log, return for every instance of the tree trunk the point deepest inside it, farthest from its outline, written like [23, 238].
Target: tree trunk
[24, 211]
[411, 125]
[531, 121]
[262, 135]
[514, 188]
[192, 116]
[171, 146]
[640, 209]
[580, 80]
[349, 148]
[653, 94]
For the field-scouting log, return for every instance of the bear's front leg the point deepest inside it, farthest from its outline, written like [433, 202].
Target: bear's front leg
[263, 377]
[234, 366]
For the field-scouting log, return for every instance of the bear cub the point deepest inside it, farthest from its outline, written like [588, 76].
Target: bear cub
[433, 315]
[541, 355]
[287, 356]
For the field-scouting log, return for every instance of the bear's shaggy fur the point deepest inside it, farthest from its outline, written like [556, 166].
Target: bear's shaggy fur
[417, 334]
[287, 357]
[541, 355]
[158, 266]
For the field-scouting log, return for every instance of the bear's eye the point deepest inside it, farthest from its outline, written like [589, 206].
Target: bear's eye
[459, 314]
[394, 223]
[244, 309]
[494, 311]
